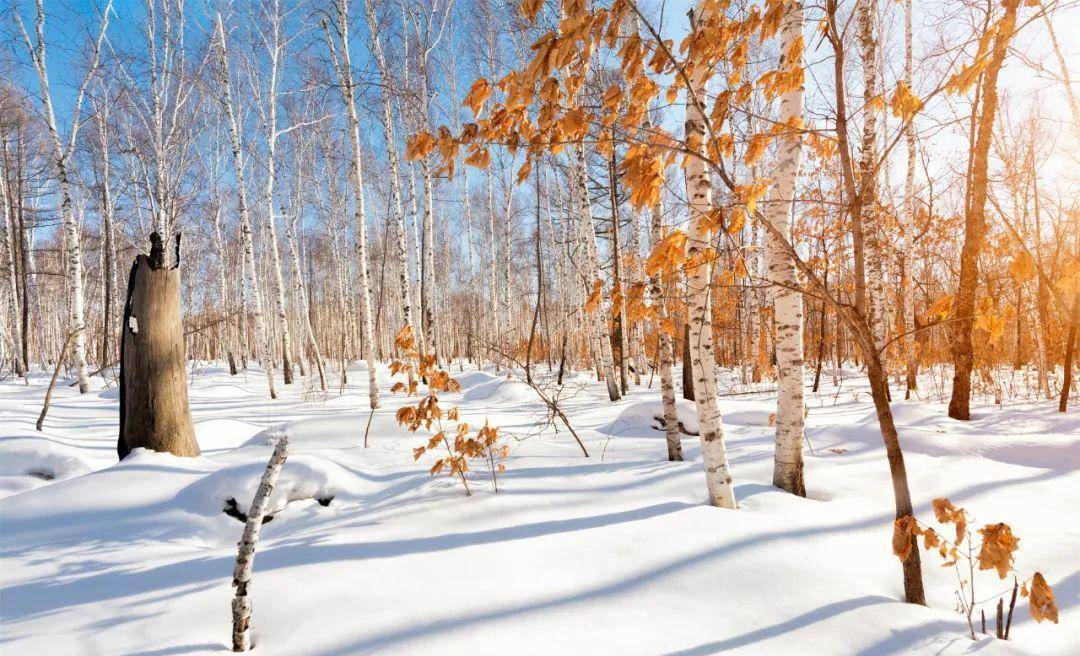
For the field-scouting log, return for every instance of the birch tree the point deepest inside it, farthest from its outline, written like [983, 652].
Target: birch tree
[907, 225]
[262, 346]
[61, 162]
[343, 67]
[787, 299]
[393, 164]
[718, 477]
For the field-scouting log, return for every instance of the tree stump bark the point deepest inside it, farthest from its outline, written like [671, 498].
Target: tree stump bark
[154, 412]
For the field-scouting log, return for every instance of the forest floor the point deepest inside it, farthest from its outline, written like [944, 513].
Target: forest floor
[617, 553]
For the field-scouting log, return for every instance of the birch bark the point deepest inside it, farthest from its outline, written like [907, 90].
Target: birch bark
[275, 48]
[343, 66]
[788, 303]
[718, 478]
[667, 387]
[262, 346]
[875, 284]
[907, 225]
[245, 557]
[389, 136]
[62, 154]
[598, 317]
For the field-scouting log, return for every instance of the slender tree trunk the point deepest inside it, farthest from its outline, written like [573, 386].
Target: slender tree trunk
[868, 215]
[11, 272]
[788, 458]
[245, 557]
[907, 218]
[390, 139]
[276, 51]
[61, 159]
[343, 66]
[1070, 351]
[262, 346]
[597, 318]
[667, 388]
[718, 478]
[620, 291]
[975, 224]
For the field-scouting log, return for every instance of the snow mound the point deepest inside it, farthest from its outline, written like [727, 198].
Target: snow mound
[31, 461]
[756, 413]
[1012, 437]
[501, 392]
[224, 433]
[303, 477]
[643, 415]
[343, 430]
[471, 379]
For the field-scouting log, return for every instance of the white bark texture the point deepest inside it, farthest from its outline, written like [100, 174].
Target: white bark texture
[62, 154]
[245, 557]
[261, 347]
[907, 218]
[276, 50]
[788, 302]
[718, 477]
[396, 205]
[598, 317]
[666, 355]
[875, 281]
[344, 71]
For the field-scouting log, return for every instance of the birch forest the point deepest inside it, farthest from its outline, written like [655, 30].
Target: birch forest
[539, 326]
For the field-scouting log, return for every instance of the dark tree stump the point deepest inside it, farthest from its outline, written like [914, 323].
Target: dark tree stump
[154, 412]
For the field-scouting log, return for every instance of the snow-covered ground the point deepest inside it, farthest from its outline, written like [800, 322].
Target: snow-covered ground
[617, 553]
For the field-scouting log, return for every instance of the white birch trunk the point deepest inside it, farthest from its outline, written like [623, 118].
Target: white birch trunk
[907, 218]
[788, 302]
[718, 478]
[493, 288]
[62, 153]
[396, 206]
[343, 66]
[598, 317]
[245, 557]
[875, 282]
[275, 48]
[10, 275]
[223, 285]
[262, 350]
[666, 356]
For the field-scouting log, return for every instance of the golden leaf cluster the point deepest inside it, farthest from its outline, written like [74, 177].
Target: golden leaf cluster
[998, 546]
[904, 103]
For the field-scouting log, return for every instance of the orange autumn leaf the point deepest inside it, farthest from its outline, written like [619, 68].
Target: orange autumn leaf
[594, 297]
[904, 529]
[668, 254]
[904, 103]
[1043, 604]
[530, 8]
[947, 513]
[756, 148]
[477, 96]
[404, 338]
[480, 158]
[419, 147]
[998, 546]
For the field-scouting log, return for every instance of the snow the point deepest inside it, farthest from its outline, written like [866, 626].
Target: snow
[615, 553]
